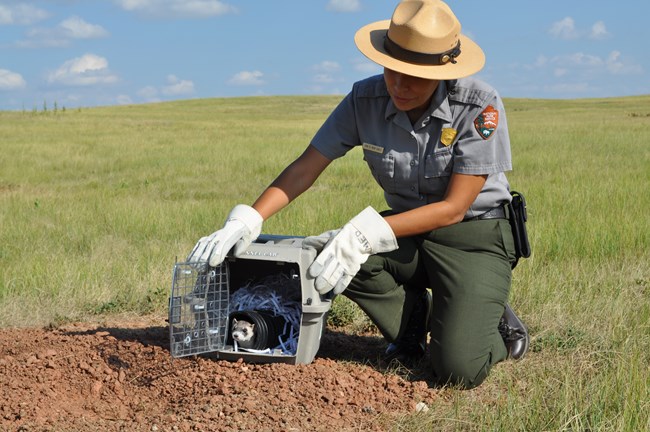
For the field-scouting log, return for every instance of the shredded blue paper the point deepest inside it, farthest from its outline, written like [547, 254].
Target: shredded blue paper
[280, 294]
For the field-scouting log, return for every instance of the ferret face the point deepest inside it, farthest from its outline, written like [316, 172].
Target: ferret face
[242, 331]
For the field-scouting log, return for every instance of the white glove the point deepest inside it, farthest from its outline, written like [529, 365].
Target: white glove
[243, 225]
[366, 234]
[318, 242]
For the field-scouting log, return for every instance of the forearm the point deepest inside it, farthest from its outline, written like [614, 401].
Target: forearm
[461, 193]
[423, 219]
[274, 199]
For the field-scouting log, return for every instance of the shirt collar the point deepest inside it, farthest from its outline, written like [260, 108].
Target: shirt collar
[391, 109]
[438, 108]
[440, 103]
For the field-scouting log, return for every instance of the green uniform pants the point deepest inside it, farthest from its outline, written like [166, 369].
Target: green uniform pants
[467, 266]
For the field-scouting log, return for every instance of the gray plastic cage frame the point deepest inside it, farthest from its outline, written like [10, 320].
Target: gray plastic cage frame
[200, 297]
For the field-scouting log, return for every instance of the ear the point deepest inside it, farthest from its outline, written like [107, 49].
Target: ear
[234, 321]
[252, 326]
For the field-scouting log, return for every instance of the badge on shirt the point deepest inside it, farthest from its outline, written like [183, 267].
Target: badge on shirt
[486, 123]
[448, 135]
[373, 148]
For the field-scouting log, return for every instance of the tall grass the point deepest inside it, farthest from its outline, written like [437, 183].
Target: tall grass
[97, 204]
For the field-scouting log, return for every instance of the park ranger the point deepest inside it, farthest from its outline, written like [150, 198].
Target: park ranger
[439, 259]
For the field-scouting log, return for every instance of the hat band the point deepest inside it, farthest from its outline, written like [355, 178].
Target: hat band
[409, 56]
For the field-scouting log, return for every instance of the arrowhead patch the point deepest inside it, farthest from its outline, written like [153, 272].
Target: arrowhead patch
[486, 123]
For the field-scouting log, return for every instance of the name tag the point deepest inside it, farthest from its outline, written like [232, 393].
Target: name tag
[373, 148]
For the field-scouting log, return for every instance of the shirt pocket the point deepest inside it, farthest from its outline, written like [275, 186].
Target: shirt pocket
[382, 167]
[438, 164]
[437, 172]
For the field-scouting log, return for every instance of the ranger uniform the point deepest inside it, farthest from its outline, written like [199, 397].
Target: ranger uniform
[464, 131]
[467, 265]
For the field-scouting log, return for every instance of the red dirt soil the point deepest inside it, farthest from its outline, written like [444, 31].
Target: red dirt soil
[119, 376]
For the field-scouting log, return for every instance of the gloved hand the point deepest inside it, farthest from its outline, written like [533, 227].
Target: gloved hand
[318, 242]
[346, 249]
[243, 225]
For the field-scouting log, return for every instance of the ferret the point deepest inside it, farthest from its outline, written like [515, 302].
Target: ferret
[243, 332]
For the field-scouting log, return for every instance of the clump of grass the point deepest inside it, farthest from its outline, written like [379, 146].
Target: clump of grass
[345, 314]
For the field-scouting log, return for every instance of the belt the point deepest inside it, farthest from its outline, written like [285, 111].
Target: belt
[495, 213]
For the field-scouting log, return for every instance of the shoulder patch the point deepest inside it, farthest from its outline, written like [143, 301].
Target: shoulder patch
[486, 123]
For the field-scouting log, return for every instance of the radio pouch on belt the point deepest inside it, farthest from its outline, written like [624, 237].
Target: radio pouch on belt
[518, 216]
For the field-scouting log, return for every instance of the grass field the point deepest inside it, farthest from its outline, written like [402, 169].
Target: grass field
[97, 204]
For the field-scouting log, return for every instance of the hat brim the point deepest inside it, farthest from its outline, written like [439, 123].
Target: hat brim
[370, 41]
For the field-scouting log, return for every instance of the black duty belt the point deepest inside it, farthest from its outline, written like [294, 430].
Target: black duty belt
[495, 213]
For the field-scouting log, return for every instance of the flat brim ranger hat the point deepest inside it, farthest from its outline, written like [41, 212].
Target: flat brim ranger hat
[421, 39]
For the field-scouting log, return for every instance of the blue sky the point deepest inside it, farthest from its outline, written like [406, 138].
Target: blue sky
[108, 52]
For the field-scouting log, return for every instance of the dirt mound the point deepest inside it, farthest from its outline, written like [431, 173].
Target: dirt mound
[120, 376]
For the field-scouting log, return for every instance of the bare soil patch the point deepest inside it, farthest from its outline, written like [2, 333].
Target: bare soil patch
[119, 376]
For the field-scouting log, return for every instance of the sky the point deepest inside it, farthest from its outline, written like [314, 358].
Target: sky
[74, 53]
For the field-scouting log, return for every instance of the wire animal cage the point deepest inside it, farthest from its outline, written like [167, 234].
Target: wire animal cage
[198, 309]
[267, 282]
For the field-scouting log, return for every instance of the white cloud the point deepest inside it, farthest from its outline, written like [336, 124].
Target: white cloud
[323, 78]
[21, 14]
[61, 35]
[344, 5]
[580, 59]
[559, 72]
[564, 29]
[177, 86]
[327, 66]
[599, 31]
[148, 92]
[325, 71]
[247, 78]
[177, 8]
[86, 70]
[124, 100]
[76, 28]
[614, 64]
[540, 61]
[617, 66]
[366, 67]
[11, 80]
[582, 67]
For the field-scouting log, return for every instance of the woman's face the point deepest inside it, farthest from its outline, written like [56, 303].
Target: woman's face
[408, 92]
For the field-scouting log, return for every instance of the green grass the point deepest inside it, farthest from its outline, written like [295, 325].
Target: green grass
[97, 204]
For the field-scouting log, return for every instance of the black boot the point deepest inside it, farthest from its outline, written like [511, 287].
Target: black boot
[514, 334]
[411, 346]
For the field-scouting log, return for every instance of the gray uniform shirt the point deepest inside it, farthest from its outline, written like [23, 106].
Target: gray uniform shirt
[464, 131]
